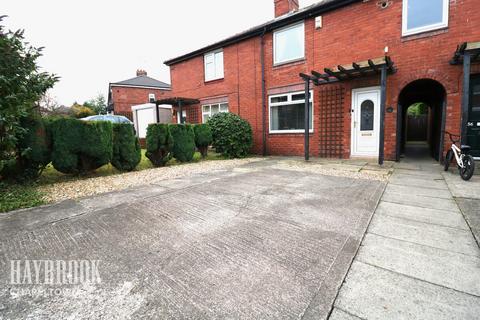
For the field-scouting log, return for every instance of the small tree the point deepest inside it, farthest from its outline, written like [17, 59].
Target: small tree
[126, 148]
[184, 142]
[159, 144]
[21, 86]
[203, 138]
[97, 104]
[81, 111]
[232, 136]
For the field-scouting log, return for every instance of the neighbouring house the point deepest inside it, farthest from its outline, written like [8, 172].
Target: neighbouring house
[142, 89]
[365, 63]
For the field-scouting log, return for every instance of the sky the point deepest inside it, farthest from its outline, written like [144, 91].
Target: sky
[92, 43]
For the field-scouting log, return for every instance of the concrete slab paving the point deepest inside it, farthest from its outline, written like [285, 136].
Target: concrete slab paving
[437, 266]
[440, 237]
[373, 293]
[471, 210]
[419, 259]
[426, 215]
[254, 242]
[412, 199]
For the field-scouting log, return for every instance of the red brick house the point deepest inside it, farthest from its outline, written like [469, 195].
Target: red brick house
[136, 91]
[424, 51]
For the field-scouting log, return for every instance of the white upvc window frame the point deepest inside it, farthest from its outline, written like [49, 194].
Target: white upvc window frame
[151, 96]
[289, 102]
[277, 32]
[218, 68]
[432, 27]
[209, 112]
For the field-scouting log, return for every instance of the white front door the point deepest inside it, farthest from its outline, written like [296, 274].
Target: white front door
[365, 122]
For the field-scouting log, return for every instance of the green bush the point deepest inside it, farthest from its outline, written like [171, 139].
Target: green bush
[232, 136]
[33, 151]
[159, 144]
[126, 147]
[79, 146]
[184, 142]
[203, 138]
[80, 111]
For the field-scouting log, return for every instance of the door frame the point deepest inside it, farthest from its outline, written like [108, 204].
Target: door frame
[353, 133]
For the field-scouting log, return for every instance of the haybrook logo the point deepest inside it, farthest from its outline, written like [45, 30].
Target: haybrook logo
[54, 272]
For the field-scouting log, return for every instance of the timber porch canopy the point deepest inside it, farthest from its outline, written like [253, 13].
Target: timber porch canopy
[179, 102]
[381, 66]
[466, 54]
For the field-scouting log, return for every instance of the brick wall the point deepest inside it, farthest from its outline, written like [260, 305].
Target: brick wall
[354, 33]
[126, 97]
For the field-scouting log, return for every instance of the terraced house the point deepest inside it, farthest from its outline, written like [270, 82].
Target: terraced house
[383, 76]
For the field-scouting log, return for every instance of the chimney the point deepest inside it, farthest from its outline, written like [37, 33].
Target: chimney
[141, 72]
[285, 6]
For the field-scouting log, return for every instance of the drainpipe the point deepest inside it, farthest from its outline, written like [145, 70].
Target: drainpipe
[264, 102]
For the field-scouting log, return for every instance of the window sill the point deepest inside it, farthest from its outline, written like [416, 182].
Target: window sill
[424, 34]
[214, 80]
[290, 62]
[289, 132]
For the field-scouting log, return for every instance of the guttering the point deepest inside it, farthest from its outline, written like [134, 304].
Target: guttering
[140, 87]
[269, 26]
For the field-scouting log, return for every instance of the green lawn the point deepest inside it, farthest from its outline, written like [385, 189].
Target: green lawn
[18, 196]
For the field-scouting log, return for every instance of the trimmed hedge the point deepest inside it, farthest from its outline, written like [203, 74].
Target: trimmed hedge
[33, 151]
[159, 144]
[232, 136]
[203, 138]
[126, 147]
[184, 142]
[79, 146]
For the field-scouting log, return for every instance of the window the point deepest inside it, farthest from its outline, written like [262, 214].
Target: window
[151, 98]
[213, 65]
[287, 113]
[211, 109]
[184, 117]
[289, 44]
[367, 115]
[420, 16]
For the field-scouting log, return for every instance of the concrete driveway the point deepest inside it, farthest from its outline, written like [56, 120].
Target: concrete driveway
[261, 241]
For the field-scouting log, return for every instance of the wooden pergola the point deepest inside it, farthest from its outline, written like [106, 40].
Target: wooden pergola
[466, 54]
[379, 66]
[179, 102]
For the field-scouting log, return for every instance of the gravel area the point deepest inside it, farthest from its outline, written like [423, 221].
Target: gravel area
[87, 187]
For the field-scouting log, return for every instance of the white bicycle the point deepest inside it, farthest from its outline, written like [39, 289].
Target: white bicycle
[465, 162]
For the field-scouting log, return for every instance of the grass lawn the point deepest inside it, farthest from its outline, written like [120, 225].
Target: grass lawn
[18, 196]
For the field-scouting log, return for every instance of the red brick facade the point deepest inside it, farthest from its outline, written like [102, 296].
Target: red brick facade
[125, 97]
[356, 32]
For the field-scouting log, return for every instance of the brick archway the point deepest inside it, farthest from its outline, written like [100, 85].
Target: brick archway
[450, 85]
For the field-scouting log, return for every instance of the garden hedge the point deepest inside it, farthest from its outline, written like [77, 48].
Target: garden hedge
[203, 138]
[79, 146]
[159, 144]
[184, 142]
[232, 135]
[33, 151]
[126, 147]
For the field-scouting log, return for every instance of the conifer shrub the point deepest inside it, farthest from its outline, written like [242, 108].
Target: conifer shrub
[184, 142]
[159, 143]
[203, 138]
[126, 147]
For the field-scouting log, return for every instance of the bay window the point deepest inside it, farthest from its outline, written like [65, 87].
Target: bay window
[287, 112]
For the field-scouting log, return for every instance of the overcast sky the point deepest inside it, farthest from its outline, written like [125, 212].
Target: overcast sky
[91, 43]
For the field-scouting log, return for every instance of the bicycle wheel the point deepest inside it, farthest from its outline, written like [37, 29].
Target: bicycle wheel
[468, 168]
[448, 159]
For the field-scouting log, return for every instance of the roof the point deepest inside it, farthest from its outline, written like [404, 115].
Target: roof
[302, 14]
[142, 81]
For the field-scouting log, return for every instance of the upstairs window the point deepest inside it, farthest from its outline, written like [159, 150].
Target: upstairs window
[213, 65]
[421, 15]
[151, 98]
[289, 44]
